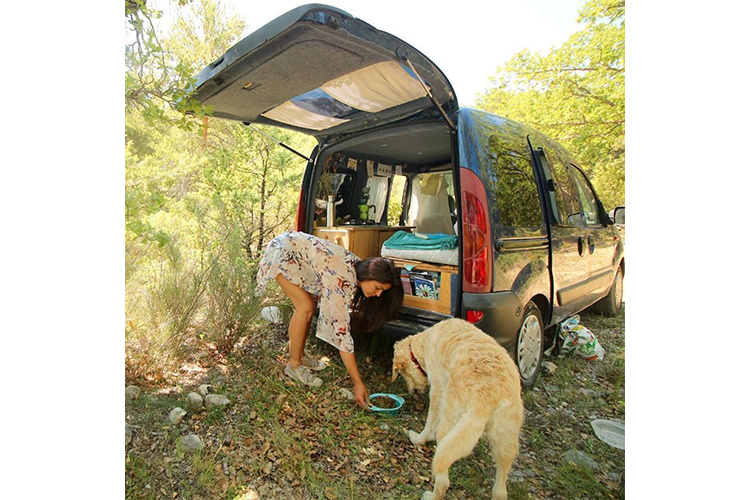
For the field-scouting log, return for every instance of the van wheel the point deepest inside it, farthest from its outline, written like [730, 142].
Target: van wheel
[610, 305]
[529, 345]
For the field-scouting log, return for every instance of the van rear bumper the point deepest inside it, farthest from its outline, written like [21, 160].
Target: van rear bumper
[502, 315]
[410, 321]
[501, 320]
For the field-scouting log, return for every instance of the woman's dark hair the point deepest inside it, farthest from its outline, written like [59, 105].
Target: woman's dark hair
[369, 313]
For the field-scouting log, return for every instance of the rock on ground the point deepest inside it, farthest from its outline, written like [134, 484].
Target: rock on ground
[204, 389]
[193, 401]
[189, 444]
[581, 459]
[132, 392]
[215, 400]
[176, 415]
[347, 394]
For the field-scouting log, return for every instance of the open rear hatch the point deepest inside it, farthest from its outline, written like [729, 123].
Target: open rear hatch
[320, 71]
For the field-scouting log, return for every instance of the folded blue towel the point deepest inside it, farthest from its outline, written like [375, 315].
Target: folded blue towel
[409, 241]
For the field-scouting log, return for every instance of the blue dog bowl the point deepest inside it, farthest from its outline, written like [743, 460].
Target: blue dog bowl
[391, 412]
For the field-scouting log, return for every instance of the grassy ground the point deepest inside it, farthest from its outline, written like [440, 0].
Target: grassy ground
[280, 441]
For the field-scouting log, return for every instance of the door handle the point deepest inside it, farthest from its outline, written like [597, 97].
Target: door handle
[591, 244]
[580, 246]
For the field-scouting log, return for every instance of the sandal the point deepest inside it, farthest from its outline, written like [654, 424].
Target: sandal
[303, 374]
[313, 364]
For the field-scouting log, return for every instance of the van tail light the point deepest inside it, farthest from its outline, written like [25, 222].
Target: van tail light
[300, 220]
[474, 316]
[475, 268]
[477, 257]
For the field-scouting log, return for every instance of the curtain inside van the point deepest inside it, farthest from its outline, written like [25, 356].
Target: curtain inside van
[430, 210]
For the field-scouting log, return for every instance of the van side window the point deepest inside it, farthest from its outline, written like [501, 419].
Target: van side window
[396, 200]
[565, 190]
[513, 183]
[588, 199]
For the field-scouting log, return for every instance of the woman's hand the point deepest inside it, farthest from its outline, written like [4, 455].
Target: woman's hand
[361, 395]
[360, 391]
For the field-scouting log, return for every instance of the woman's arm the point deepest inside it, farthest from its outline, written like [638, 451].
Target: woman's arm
[360, 391]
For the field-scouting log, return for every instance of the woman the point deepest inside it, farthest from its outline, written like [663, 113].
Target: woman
[310, 269]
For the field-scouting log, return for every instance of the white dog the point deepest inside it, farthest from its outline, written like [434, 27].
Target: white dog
[474, 390]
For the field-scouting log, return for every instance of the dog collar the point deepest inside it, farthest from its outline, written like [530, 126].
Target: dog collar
[414, 358]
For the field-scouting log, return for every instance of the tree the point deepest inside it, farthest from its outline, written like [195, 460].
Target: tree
[575, 94]
[156, 81]
[202, 33]
[256, 181]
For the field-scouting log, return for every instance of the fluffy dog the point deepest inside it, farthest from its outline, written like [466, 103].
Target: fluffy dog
[474, 390]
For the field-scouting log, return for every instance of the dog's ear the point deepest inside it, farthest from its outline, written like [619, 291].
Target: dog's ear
[395, 372]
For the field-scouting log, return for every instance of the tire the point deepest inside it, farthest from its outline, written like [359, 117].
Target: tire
[529, 345]
[610, 305]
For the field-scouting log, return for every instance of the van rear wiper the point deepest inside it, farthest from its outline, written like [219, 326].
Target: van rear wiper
[281, 143]
[432, 98]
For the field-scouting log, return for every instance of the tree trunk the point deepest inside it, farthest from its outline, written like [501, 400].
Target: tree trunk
[264, 155]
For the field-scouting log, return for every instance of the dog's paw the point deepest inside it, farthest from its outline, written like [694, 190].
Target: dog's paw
[416, 438]
[428, 495]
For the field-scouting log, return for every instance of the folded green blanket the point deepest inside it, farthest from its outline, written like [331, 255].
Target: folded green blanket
[409, 241]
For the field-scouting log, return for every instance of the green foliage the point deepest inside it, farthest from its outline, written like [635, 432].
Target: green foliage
[395, 204]
[202, 196]
[231, 307]
[202, 33]
[575, 94]
[254, 181]
[156, 79]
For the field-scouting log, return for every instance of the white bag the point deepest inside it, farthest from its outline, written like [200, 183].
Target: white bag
[577, 339]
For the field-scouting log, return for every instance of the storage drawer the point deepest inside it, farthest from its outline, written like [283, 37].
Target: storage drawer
[338, 236]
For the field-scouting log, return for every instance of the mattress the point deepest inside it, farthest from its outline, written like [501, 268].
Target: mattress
[449, 257]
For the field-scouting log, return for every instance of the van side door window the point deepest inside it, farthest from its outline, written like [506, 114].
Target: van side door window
[568, 203]
[588, 199]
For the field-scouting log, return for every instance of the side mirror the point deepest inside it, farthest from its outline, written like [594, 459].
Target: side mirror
[619, 216]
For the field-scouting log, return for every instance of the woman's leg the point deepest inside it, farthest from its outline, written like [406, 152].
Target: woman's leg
[299, 325]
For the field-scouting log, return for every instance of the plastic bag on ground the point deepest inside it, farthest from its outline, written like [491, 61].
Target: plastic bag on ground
[578, 340]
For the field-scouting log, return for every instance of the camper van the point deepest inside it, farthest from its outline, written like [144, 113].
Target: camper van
[486, 218]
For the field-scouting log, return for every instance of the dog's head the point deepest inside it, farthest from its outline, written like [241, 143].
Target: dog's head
[403, 364]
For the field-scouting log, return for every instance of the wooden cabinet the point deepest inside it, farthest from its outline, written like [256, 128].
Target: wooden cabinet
[362, 241]
[443, 302]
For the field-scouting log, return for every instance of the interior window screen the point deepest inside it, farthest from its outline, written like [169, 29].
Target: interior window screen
[588, 200]
[371, 89]
[565, 191]
[513, 182]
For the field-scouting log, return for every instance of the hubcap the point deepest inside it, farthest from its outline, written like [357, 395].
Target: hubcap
[529, 346]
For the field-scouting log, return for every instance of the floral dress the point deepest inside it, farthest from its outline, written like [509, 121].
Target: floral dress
[323, 269]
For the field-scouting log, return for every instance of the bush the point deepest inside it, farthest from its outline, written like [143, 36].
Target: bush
[231, 304]
[163, 303]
